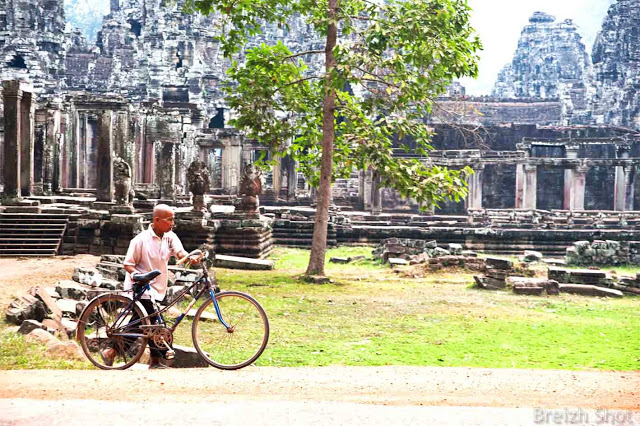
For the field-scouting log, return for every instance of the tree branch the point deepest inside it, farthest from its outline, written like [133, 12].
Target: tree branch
[308, 52]
[295, 82]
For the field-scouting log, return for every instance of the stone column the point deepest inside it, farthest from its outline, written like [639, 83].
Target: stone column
[571, 152]
[167, 171]
[376, 193]
[39, 152]
[530, 186]
[122, 143]
[519, 186]
[277, 177]
[292, 178]
[68, 144]
[367, 196]
[104, 163]
[12, 92]
[579, 185]
[620, 188]
[629, 178]
[27, 142]
[231, 166]
[474, 199]
[51, 140]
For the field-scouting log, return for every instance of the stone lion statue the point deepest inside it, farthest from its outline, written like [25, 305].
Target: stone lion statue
[250, 188]
[198, 178]
[122, 182]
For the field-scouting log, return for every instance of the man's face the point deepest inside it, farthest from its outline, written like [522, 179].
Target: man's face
[163, 222]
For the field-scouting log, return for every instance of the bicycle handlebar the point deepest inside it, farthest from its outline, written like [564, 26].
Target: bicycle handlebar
[196, 251]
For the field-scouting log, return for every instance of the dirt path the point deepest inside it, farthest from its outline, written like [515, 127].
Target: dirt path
[431, 386]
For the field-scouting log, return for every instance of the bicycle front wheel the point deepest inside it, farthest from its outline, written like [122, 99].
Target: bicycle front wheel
[242, 342]
[100, 330]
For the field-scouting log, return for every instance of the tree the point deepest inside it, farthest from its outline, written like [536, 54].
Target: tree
[385, 63]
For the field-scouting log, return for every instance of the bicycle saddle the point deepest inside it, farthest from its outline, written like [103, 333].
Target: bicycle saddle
[145, 278]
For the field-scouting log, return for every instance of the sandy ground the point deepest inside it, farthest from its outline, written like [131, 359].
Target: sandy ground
[19, 274]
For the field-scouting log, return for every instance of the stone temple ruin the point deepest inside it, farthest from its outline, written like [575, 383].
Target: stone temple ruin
[94, 135]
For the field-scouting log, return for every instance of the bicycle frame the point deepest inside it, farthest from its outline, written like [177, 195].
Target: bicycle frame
[140, 291]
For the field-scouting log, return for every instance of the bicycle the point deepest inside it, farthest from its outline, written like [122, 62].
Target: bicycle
[230, 330]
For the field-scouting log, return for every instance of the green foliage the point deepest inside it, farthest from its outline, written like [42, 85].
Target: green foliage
[392, 61]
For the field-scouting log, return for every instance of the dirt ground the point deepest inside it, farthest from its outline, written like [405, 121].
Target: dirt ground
[19, 274]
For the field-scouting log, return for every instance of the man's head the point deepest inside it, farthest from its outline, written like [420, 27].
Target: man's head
[162, 219]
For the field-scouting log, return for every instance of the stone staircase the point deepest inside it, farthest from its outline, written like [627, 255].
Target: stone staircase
[31, 234]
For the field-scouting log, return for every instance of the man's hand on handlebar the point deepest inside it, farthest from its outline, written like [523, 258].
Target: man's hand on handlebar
[194, 257]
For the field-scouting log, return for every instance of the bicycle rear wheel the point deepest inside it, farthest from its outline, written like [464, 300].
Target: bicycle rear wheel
[97, 327]
[240, 344]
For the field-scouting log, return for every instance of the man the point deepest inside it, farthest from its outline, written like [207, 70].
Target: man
[149, 250]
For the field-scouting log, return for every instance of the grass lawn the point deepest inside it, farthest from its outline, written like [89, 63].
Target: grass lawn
[373, 316]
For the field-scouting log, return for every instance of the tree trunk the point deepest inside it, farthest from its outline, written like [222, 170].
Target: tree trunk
[319, 243]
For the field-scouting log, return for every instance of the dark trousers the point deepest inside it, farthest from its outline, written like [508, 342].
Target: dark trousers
[148, 305]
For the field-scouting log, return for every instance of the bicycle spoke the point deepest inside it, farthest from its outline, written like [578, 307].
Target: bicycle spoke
[245, 339]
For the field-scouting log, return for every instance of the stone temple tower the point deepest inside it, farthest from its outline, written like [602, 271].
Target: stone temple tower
[616, 63]
[33, 42]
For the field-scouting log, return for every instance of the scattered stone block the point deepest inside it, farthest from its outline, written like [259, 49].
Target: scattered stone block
[71, 308]
[553, 288]
[554, 262]
[70, 326]
[187, 357]
[72, 290]
[396, 261]
[24, 308]
[316, 279]
[342, 260]
[558, 274]
[42, 336]
[528, 290]
[28, 326]
[532, 256]
[468, 253]
[589, 290]
[455, 249]
[67, 350]
[439, 251]
[85, 275]
[235, 262]
[498, 263]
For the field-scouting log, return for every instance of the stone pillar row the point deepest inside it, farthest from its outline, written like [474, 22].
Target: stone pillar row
[19, 137]
[474, 199]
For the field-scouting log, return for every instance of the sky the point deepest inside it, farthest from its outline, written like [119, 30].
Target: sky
[499, 23]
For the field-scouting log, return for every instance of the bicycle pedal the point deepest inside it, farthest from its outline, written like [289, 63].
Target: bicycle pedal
[170, 354]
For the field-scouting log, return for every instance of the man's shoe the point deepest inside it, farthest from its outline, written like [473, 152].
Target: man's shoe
[157, 363]
[108, 356]
[158, 366]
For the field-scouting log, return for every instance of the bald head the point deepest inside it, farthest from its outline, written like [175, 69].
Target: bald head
[162, 211]
[162, 219]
